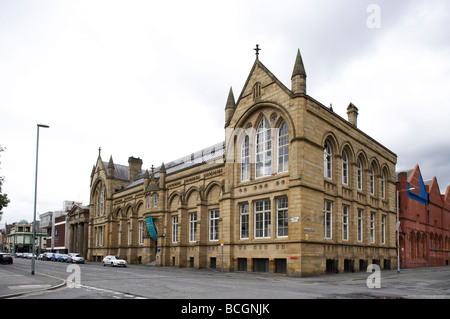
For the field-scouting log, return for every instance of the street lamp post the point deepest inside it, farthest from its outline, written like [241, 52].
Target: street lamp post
[35, 198]
[398, 228]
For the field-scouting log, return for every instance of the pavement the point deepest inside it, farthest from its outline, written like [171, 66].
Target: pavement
[16, 282]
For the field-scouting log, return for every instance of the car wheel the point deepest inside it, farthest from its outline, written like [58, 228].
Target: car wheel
[104, 264]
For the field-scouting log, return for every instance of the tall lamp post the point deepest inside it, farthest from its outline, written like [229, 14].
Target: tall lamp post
[398, 228]
[35, 197]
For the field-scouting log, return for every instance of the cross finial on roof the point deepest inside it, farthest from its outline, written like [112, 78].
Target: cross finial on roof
[99, 151]
[257, 49]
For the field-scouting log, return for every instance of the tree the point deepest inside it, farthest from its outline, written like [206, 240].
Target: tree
[4, 200]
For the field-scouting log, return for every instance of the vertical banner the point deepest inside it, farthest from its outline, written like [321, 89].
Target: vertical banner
[151, 229]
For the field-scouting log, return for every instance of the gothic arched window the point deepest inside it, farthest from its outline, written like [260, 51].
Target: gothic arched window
[344, 168]
[245, 159]
[283, 148]
[263, 154]
[327, 160]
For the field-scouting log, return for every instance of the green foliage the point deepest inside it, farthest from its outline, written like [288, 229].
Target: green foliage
[4, 200]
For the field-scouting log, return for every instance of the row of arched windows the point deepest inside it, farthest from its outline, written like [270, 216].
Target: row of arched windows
[373, 177]
[419, 246]
[264, 140]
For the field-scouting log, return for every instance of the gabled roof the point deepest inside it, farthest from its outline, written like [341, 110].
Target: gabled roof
[120, 171]
[270, 74]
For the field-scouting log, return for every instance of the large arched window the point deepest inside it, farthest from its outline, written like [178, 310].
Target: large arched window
[245, 159]
[344, 168]
[100, 200]
[263, 153]
[327, 160]
[283, 148]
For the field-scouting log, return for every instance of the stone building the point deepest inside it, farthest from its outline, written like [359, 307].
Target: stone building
[293, 188]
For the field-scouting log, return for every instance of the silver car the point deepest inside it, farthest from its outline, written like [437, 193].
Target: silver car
[114, 261]
[75, 258]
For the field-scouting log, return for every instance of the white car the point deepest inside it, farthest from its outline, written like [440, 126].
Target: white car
[114, 261]
[75, 258]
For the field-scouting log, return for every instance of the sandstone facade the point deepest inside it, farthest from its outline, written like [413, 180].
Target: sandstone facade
[294, 188]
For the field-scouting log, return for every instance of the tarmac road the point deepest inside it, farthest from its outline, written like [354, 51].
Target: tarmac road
[143, 281]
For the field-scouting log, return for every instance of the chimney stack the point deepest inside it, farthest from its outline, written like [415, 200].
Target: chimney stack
[352, 112]
[134, 168]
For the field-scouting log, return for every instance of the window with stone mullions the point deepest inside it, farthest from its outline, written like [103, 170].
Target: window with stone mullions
[282, 217]
[193, 227]
[344, 222]
[245, 223]
[262, 219]
[214, 225]
[328, 215]
[174, 228]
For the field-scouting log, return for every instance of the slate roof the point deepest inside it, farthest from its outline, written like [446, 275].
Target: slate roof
[206, 155]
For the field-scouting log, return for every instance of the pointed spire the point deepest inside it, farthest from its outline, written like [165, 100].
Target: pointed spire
[111, 163]
[299, 68]
[230, 101]
[162, 169]
[298, 80]
[146, 175]
[110, 170]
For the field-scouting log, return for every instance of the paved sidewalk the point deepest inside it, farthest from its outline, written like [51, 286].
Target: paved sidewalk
[16, 282]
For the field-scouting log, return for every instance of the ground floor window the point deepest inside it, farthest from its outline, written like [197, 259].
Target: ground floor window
[280, 266]
[261, 265]
[242, 264]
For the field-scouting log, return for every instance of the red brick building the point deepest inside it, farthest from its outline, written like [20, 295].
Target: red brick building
[424, 215]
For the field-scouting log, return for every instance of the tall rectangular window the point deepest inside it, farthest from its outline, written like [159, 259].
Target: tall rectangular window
[344, 168]
[344, 222]
[360, 225]
[193, 227]
[102, 202]
[214, 224]
[372, 227]
[174, 228]
[100, 236]
[328, 215]
[141, 232]
[383, 229]
[129, 234]
[244, 221]
[283, 148]
[263, 149]
[262, 219]
[282, 217]
[245, 159]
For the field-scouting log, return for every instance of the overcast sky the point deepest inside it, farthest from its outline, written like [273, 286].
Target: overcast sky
[150, 79]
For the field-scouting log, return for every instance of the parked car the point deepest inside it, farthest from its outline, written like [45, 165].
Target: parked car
[114, 261]
[55, 257]
[39, 257]
[75, 258]
[62, 258]
[6, 258]
[47, 256]
[29, 255]
[18, 255]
